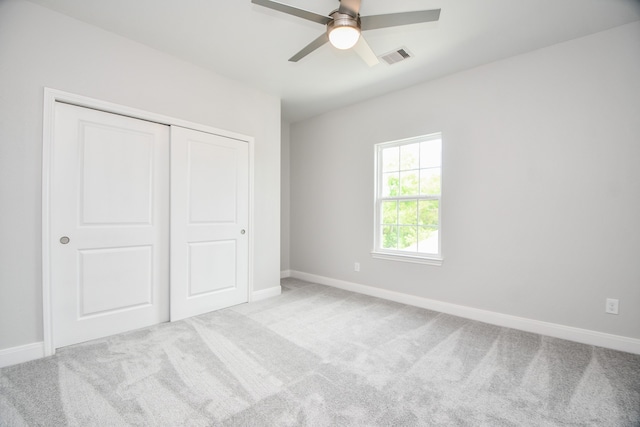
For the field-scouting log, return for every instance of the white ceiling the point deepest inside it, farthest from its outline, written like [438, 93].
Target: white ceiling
[252, 44]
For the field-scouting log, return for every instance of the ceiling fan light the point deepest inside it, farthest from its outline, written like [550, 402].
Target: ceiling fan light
[344, 37]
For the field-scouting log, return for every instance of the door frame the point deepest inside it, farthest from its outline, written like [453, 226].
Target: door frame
[51, 96]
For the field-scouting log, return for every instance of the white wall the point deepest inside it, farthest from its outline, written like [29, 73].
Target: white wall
[285, 198]
[541, 185]
[41, 48]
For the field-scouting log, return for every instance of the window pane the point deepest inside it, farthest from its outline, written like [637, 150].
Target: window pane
[409, 156]
[428, 212]
[408, 212]
[391, 159]
[390, 184]
[430, 153]
[409, 183]
[428, 240]
[390, 237]
[430, 181]
[390, 212]
[408, 238]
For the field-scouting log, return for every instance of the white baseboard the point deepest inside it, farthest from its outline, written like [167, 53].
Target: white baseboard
[21, 354]
[266, 293]
[585, 336]
[26, 353]
[285, 273]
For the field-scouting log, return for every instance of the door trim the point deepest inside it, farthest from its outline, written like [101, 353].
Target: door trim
[51, 96]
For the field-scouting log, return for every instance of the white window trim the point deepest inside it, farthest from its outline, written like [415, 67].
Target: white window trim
[397, 254]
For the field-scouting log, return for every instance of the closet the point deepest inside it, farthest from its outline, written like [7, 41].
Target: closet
[148, 222]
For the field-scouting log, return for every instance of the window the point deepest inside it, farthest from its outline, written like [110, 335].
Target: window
[407, 208]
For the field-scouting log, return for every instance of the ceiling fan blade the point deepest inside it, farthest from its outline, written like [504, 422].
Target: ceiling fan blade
[374, 22]
[350, 7]
[300, 13]
[310, 48]
[363, 49]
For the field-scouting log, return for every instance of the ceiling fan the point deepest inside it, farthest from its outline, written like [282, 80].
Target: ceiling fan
[345, 24]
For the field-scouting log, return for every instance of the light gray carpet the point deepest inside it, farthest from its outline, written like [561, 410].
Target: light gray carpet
[320, 356]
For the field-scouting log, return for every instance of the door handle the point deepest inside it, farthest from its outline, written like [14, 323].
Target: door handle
[64, 240]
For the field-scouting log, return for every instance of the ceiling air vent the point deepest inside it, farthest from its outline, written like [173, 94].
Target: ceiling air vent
[396, 56]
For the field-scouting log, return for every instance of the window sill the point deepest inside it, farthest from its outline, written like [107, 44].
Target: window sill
[428, 260]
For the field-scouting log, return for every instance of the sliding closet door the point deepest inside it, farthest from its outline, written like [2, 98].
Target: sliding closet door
[209, 219]
[109, 224]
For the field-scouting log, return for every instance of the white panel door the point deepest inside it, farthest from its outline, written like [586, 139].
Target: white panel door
[209, 219]
[109, 224]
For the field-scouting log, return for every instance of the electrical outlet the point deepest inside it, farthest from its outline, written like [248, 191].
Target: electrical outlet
[356, 266]
[611, 306]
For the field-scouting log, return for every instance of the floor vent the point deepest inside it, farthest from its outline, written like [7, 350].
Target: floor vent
[396, 56]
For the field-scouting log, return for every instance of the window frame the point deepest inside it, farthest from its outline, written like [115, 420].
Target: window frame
[399, 254]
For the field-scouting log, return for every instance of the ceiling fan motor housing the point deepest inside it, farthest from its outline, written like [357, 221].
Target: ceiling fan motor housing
[343, 20]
